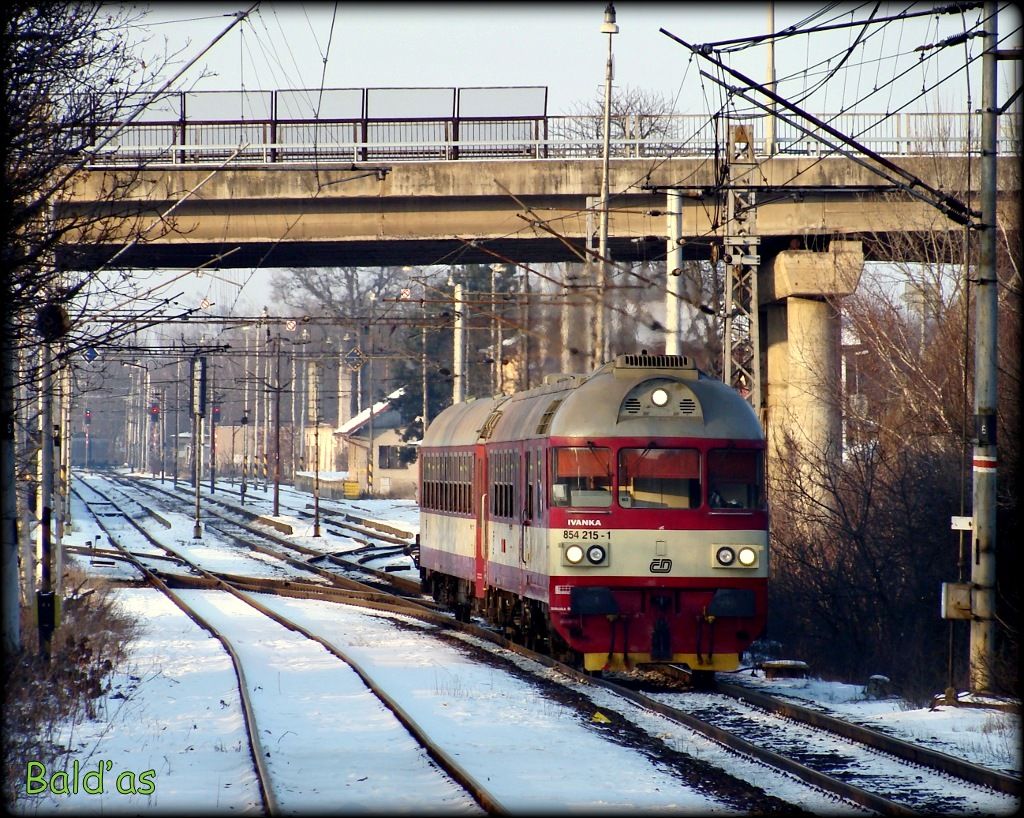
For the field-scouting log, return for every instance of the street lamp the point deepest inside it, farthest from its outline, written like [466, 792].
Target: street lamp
[608, 27]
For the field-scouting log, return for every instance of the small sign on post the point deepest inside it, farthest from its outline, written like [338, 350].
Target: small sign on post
[956, 600]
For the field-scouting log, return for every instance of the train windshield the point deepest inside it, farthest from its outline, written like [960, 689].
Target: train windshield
[659, 478]
[581, 477]
[735, 479]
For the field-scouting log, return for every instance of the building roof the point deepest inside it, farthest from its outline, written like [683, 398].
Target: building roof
[356, 422]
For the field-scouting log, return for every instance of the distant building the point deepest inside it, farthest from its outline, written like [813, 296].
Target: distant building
[394, 472]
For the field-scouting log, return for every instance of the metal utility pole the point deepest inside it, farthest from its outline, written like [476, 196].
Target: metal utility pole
[423, 363]
[769, 127]
[673, 268]
[277, 431]
[458, 367]
[742, 357]
[496, 339]
[163, 435]
[983, 565]
[213, 430]
[370, 401]
[9, 592]
[198, 383]
[46, 605]
[313, 397]
[600, 341]
[174, 448]
[245, 453]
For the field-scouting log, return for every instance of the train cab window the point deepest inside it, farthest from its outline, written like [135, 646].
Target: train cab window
[735, 479]
[581, 477]
[659, 478]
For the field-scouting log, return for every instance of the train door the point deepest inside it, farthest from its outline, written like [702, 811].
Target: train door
[483, 534]
[526, 507]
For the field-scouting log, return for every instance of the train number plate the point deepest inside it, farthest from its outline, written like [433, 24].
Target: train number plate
[585, 534]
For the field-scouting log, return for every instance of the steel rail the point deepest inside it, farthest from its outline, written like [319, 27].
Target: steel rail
[256, 748]
[446, 761]
[408, 586]
[925, 756]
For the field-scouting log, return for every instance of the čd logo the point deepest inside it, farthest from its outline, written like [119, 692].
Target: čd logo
[661, 565]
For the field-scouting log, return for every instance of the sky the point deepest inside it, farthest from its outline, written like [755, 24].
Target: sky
[174, 709]
[557, 45]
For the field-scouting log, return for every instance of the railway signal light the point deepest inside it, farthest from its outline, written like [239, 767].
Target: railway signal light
[88, 416]
[154, 412]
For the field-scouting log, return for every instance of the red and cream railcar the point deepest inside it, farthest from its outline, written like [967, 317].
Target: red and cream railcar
[621, 515]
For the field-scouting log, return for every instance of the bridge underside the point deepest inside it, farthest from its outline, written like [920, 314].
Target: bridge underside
[383, 253]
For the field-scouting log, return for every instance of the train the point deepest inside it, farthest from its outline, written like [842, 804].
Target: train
[615, 520]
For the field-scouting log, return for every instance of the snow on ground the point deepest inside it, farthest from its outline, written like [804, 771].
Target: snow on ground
[172, 722]
[174, 711]
[988, 736]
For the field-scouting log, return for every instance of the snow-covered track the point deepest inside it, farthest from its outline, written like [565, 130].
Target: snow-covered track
[250, 529]
[455, 770]
[872, 771]
[957, 767]
[257, 751]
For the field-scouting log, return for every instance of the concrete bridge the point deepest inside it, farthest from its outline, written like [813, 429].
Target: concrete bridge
[468, 211]
[371, 188]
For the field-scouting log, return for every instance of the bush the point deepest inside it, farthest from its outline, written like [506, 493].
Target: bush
[40, 696]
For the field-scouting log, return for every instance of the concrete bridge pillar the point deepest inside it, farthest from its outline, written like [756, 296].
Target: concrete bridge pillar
[801, 344]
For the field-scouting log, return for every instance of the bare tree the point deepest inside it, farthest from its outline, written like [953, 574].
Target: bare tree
[856, 580]
[63, 68]
[636, 114]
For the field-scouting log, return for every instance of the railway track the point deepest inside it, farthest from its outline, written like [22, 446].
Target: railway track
[452, 768]
[922, 784]
[245, 530]
[250, 528]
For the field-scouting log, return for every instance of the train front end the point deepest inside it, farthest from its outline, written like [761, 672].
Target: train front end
[657, 523]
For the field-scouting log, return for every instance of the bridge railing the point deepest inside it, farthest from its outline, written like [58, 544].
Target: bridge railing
[277, 139]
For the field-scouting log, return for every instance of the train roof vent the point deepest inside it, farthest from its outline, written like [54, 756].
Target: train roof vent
[545, 420]
[687, 406]
[488, 428]
[645, 361]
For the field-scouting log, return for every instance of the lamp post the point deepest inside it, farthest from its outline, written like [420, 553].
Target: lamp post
[608, 27]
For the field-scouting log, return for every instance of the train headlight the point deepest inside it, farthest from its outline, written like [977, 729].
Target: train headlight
[574, 554]
[659, 397]
[725, 556]
[747, 557]
[596, 554]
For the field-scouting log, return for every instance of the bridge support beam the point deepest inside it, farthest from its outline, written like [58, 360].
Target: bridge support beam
[802, 349]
